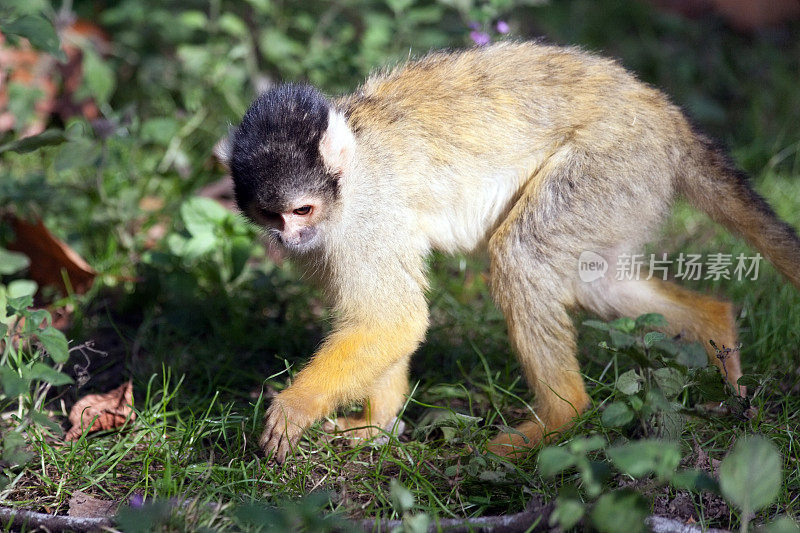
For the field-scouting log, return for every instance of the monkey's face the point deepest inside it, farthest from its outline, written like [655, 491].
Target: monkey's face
[284, 163]
[288, 193]
[297, 227]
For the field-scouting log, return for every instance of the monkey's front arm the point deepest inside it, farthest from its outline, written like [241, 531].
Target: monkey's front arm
[350, 361]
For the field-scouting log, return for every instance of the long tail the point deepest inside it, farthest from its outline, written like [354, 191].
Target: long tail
[714, 185]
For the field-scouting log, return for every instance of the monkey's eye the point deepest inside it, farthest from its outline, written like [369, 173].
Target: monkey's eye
[303, 211]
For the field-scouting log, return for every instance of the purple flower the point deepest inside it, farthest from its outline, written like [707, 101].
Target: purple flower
[474, 25]
[136, 501]
[479, 37]
[502, 26]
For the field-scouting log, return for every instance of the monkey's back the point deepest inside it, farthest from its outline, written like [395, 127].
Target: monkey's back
[479, 119]
[507, 94]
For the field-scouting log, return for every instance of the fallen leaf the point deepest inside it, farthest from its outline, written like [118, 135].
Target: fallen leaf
[49, 256]
[151, 203]
[56, 85]
[102, 411]
[86, 506]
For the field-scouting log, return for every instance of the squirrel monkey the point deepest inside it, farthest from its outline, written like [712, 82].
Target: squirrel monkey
[536, 152]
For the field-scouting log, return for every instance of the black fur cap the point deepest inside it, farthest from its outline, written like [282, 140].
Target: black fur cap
[275, 150]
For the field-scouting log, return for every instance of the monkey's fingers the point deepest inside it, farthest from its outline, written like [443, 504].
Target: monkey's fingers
[280, 433]
[275, 444]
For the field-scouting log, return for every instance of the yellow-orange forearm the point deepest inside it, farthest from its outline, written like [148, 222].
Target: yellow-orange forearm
[347, 365]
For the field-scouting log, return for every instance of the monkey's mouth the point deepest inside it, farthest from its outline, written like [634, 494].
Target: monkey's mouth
[298, 242]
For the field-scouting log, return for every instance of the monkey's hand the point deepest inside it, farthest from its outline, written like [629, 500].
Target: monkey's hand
[285, 424]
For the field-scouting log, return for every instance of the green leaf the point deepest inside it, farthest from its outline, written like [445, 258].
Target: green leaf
[597, 324]
[48, 374]
[617, 414]
[402, 498]
[593, 474]
[651, 320]
[669, 423]
[203, 215]
[29, 144]
[710, 383]
[160, 130]
[690, 355]
[783, 524]
[38, 30]
[241, 247]
[555, 459]
[621, 340]
[417, 523]
[670, 381]
[751, 381]
[653, 337]
[76, 154]
[19, 303]
[38, 317]
[12, 262]
[55, 344]
[623, 324]
[14, 451]
[3, 330]
[750, 475]
[12, 384]
[152, 515]
[233, 25]
[199, 245]
[193, 19]
[98, 78]
[642, 457]
[583, 446]
[399, 6]
[622, 510]
[694, 480]
[45, 421]
[567, 513]
[629, 383]
[21, 288]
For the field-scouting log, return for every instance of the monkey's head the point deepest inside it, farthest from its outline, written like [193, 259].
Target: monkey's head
[287, 158]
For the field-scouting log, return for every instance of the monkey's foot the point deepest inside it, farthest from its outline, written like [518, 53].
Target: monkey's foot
[356, 430]
[283, 429]
[517, 445]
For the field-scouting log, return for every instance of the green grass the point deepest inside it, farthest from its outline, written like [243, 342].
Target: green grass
[206, 352]
[200, 397]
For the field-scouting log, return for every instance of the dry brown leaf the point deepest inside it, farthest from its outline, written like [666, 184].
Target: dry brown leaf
[86, 506]
[57, 84]
[151, 203]
[49, 256]
[102, 411]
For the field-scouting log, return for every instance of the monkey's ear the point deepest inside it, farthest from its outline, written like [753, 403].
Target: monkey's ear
[222, 150]
[337, 145]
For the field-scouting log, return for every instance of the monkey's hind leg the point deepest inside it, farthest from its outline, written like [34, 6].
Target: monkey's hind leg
[543, 337]
[531, 257]
[380, 409]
